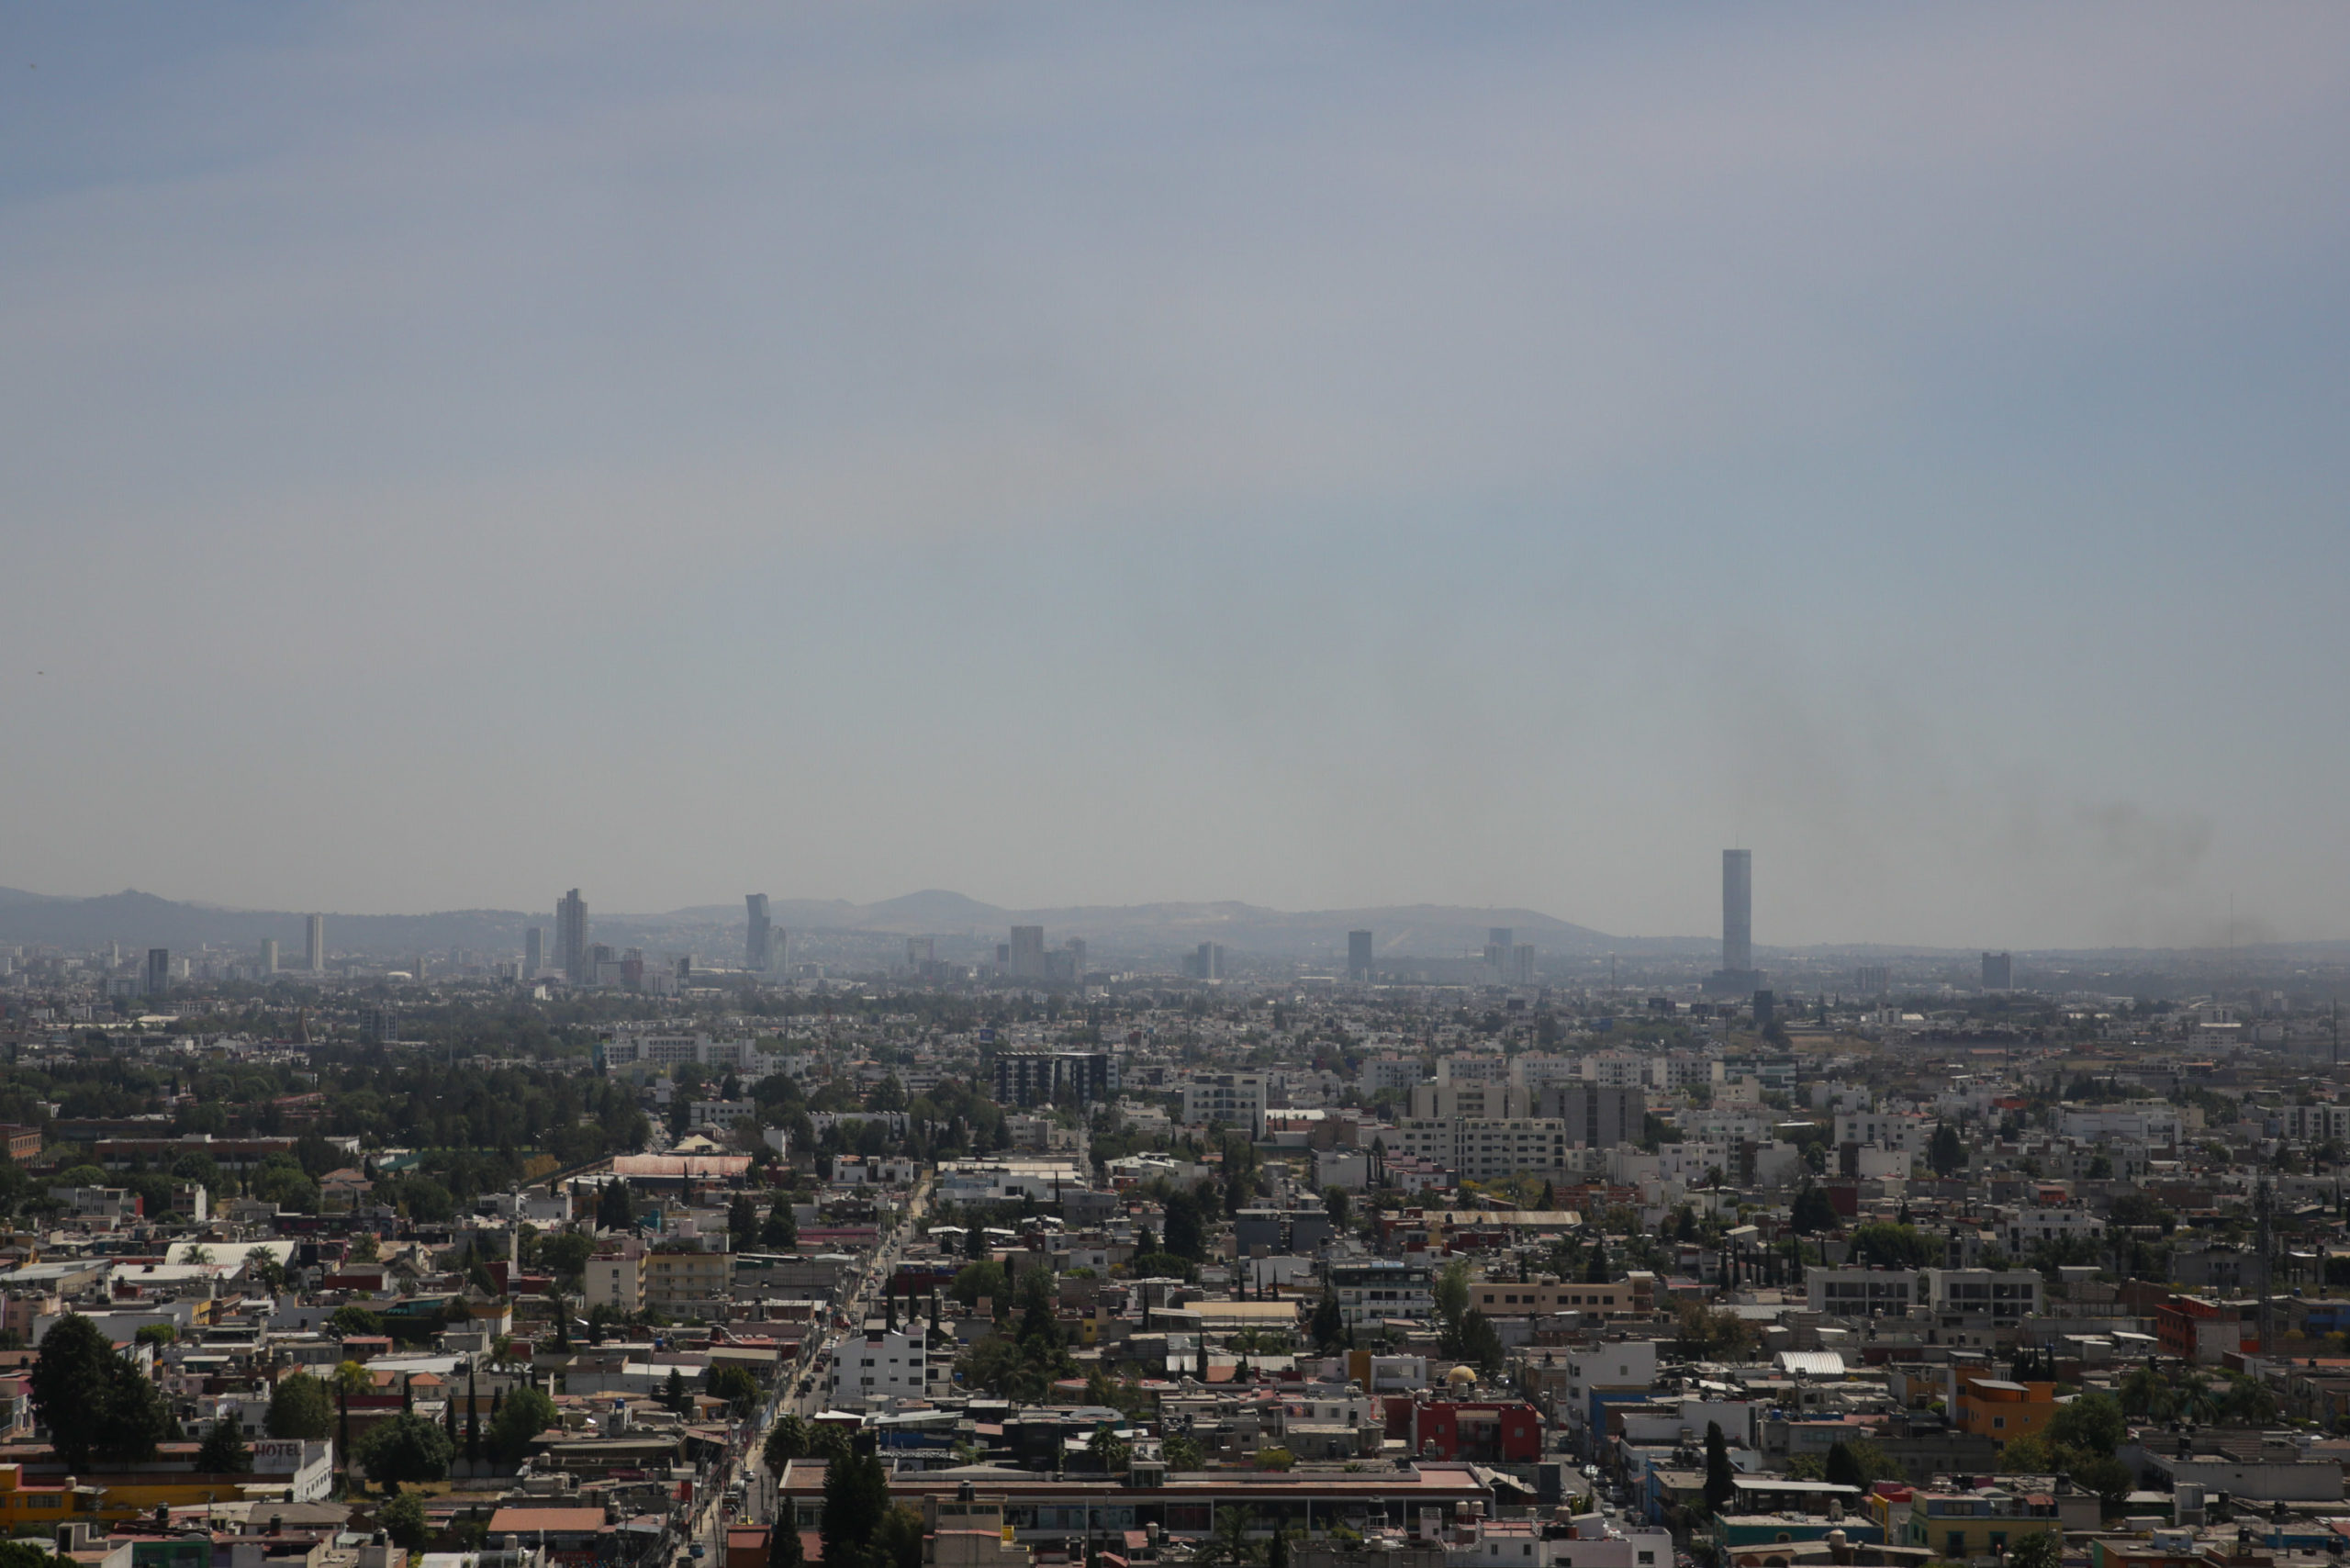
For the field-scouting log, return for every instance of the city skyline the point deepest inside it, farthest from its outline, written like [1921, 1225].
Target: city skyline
[1322, 459]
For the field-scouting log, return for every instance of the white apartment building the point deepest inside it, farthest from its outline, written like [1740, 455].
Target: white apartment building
[1616, 1069]
[1685, 1070]
[1486, 1150]
[1903, 1131]
[1689, 1161]
[1473, 1067]
[886, 1363]
[1379, 1287]
[999, 1178]
[1521, 1543]
[1859, 1293]
[1624, 1368]
[1237, 1099]
[1731, 1125]
[627, 1048]
[2025, 1225]
[1393, 1073]
[2142, 1121]
[721, 1115]
[1535, 1071]
[2314, 1124]
[2006, 1295]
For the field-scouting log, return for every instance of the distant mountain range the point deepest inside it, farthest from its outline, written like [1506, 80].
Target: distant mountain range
[966, 929]
[144, 920]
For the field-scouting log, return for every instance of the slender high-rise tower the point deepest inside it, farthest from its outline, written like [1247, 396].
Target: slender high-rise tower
[571, 938]
[755, 945]
[534, 951]
[1738, 911]
[268, 955]
[1359, 957]
[1736, 977]
[314, 945]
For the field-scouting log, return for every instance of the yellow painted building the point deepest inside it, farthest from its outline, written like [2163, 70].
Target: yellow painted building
[27, 1505]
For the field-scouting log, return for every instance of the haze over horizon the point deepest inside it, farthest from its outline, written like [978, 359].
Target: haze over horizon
[1321, 459]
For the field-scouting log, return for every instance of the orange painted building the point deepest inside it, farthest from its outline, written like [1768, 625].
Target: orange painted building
[1999, 1408]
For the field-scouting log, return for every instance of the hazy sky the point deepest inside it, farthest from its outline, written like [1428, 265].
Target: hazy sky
[1315, 455]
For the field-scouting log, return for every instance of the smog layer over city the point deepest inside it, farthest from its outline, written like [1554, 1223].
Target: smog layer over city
[1183, 787]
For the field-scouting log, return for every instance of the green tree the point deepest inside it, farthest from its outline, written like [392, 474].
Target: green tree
[1340, 1203]
[1858, 1462]
[298, 1407]
[781, 1231]
[94, 1403]
[1713, 1334]
[973, 1280]
[1036, 1316]
[1180, 1452]
[784, 1549]
[733, 1384]
[1886, 1245]
[1721, 1481]
[1230, 1542]
[406, 1448]
[857, 1499]
[1449, 1289]
[356, 1319]
[1329, 1322]
[2105, 1475]
[524, 1415]
[1595, 1270]
[787, 1439]
[1186, 1225]
[2090, 1422]
[1946, 1155]
[223, 1451]
[566, 1256]
[403, 1519]
[897, 1541]
[2040, 1548]
[2028, 1455]
[673, 1393]
[1475, 1340]
[2146, 1392]
[1108, 1450]
[2249, 1401]
[1813, 1212]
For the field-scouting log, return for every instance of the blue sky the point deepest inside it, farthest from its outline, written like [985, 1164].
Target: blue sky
[1321, 456]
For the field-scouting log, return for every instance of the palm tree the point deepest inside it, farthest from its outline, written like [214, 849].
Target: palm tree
[2195, 1400]
[1228, 1545]
[2147, 1393]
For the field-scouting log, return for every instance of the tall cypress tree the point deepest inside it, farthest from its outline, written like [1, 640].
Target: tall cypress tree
[1721, 1481]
